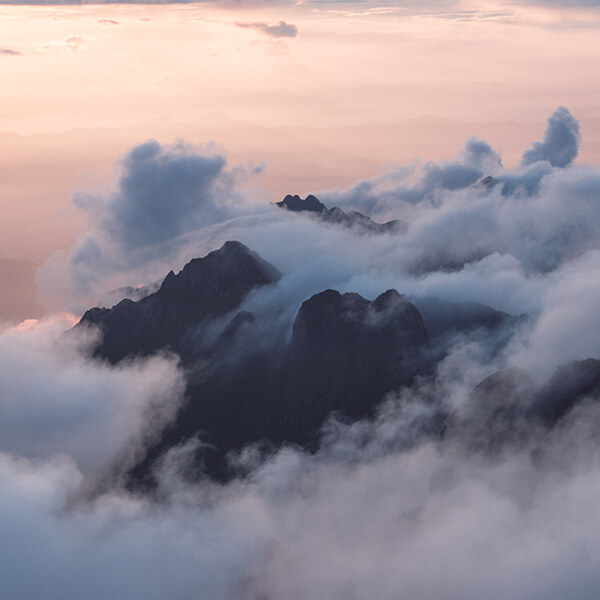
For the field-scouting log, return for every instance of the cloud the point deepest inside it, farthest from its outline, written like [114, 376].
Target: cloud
[360, 517]
[72, 43]
[281, 30]
[55, 401]
[566, 3]
[147, 2]
[386, 507]
[163, 194]
[9, 52]
[560, 145]
[108, 22]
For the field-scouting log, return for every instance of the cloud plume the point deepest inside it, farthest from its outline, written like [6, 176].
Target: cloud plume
[560, 145]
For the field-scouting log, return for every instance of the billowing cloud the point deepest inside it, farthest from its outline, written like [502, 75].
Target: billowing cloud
[280, 30]
[560, 145]
[381, 509]
[163, 194]
[360, 517]
[56, 401]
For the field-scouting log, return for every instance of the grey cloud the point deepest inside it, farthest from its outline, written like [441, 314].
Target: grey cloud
[160, 195]
[560, 145]
[415, 184]
[364, 514]
[163, 194]
[55, 400]
[281, 30]
[476, 161]
[358, 518]
[9, 52]
[108, 22]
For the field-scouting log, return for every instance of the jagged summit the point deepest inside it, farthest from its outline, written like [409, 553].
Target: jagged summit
[169, 319]
[333, 318]
[218, 281]
[352, 219]
[297, 204]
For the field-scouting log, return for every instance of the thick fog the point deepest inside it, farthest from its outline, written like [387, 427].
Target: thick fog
[386, 508]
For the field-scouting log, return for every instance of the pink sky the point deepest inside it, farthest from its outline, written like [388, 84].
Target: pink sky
[362, 85]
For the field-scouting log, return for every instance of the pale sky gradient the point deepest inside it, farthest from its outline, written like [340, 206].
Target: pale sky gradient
[362, 85]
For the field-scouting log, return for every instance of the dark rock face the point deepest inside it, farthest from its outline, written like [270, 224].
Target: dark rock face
[569, 385]
[295, 203]
[128, 292]
[352, 219]
[169, 319]
[347, 352]
[443, 317]
[496, 413]
[344, 355]
[506, 409]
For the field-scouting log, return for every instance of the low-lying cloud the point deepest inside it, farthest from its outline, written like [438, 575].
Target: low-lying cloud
[379, 510]
[57, 401]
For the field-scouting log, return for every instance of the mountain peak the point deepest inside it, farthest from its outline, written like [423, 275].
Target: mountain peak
[171, 318]
[296, 204]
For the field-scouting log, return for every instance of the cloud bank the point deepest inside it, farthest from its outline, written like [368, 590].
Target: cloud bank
[379, 510]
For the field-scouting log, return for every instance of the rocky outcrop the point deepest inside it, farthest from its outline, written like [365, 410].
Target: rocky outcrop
[171, 319]
[336, 216]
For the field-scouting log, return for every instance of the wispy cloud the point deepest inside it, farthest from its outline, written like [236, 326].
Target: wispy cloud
[72, 43]
[281, 30]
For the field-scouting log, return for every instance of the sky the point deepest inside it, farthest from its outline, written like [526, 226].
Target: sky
[319, 94]
[134, 137]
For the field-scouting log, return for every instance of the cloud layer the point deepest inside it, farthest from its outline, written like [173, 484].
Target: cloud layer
[378, 511]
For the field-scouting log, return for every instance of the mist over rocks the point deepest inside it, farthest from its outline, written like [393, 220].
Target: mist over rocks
[169, 318]
[344, 356]
[316, 435]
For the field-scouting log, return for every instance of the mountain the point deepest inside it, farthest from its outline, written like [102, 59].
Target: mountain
[172, 317]
[343, 356]
[128, 292]
[507, 409]
[352, 219]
